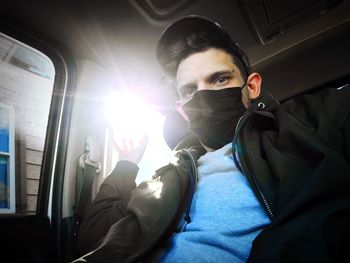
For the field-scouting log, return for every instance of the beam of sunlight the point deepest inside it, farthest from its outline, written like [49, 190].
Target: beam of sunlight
[131, 119]
[128, 115]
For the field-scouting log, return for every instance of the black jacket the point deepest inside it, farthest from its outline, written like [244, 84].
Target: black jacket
[296, 156]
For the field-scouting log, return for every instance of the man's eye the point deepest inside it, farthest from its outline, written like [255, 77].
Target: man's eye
[222, 80]
[189, 92]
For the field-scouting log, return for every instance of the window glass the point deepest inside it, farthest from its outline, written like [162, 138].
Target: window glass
[26, 85]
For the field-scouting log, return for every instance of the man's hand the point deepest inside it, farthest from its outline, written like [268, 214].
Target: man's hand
[130, 149]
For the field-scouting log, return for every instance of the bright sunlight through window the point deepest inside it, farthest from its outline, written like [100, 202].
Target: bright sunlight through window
[131, 118]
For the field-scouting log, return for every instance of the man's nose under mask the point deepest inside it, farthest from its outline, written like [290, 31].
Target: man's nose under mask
[214, 114]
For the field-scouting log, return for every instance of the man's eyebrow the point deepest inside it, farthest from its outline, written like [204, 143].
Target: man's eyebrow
[212, 77]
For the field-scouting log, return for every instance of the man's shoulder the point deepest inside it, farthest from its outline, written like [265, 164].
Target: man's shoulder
[330, 103]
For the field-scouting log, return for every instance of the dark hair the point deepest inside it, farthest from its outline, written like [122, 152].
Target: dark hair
[193, 34]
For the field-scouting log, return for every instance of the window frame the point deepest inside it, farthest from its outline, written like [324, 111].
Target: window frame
[49, 202]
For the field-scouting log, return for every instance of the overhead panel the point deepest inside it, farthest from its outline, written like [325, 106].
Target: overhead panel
[269, 19]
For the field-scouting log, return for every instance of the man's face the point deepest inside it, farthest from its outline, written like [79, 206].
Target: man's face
[212, 69]
[212, 116]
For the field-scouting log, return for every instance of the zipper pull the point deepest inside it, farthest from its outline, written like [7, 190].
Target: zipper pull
[187, 217]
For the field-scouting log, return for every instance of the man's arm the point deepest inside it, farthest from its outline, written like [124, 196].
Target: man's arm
[109, 205]
[336, 106]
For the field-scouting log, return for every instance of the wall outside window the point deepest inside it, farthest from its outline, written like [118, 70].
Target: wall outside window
[26, 85]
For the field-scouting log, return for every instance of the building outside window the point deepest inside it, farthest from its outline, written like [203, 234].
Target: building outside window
[26, 86]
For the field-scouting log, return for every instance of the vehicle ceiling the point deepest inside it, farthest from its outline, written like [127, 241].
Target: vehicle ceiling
[121, 36]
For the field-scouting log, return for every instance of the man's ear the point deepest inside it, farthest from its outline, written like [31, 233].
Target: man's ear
[181, 111]
[254, 85]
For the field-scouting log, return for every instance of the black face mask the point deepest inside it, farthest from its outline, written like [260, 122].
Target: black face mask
[214, 114]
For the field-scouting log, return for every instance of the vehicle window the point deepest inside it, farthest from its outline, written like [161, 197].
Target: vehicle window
[26, 85]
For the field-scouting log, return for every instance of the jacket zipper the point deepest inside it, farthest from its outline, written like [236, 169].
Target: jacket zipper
[193, 184]
[255, 182]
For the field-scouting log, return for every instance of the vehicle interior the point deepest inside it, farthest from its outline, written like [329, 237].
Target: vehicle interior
[65, 65]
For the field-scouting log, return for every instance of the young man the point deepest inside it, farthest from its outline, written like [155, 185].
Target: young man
[258, 181]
